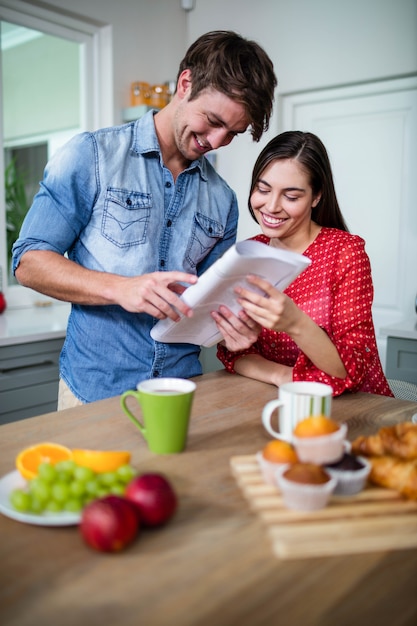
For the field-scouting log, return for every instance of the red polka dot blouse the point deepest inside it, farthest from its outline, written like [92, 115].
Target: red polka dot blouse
[336, 291]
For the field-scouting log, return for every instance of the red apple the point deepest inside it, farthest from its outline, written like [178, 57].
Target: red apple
[109, 524]
[154, 497]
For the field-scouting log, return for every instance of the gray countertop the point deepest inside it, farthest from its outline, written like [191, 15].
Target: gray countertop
[33, 323]
[406, 329]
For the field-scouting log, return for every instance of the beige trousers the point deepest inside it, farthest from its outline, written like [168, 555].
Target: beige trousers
[66, 399]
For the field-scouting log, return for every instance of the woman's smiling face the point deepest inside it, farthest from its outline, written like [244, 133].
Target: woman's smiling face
[282, 200]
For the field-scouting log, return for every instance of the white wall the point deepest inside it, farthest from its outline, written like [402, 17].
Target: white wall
[149, 39]
[313, 44]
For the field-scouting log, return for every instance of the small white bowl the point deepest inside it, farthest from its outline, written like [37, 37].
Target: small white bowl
[322, 449]
[350, 482]
[303, 497]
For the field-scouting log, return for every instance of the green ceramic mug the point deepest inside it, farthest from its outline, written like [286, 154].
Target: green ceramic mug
[166, 410]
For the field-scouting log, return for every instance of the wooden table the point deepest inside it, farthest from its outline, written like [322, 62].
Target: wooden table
[213, 563]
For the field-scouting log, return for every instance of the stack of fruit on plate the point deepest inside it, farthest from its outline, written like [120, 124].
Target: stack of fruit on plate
[106, 495]
[316, 464]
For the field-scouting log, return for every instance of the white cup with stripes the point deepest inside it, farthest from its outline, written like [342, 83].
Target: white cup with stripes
[295, 402]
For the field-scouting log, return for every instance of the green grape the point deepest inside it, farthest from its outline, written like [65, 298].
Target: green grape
[66, 486]
[77, 489]
[53, 506]
[36, 506]
[40, 489]
[20, 500]
[108, 478]
[73, 505]
[47, 472]
[60, 492]
[83, 474]
[64, 476]
[92, 487]
[102, 491]
[66, 466]
[125, 473]
[118, 489]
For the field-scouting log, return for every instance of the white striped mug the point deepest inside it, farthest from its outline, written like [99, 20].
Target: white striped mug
[296, 401]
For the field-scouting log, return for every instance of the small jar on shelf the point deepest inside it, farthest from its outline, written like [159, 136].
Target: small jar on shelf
[159, 96]
[140, 93]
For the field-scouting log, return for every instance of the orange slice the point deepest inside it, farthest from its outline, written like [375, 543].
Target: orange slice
[101, 460]
[29, 459]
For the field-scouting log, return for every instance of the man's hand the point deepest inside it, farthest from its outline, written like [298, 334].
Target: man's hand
[155, 294]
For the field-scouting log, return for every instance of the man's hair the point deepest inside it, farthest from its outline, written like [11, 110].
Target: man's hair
[238, 68]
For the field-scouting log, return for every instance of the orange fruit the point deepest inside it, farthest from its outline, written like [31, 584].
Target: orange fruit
[29, 459]
[315, 426]
[279, 451]
[101, 460]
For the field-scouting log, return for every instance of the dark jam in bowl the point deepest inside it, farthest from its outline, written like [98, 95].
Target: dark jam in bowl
[348, 462]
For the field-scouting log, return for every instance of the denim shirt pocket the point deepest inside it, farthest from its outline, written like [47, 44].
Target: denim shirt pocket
[126, 216]
[205, 232]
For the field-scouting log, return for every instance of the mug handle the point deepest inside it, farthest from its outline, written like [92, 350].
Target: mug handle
[267, 411]
[123, 399]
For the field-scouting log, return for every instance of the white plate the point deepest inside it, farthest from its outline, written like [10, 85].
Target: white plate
[414, 418]
[15, 481]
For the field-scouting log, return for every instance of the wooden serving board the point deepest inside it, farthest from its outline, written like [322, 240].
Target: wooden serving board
[375, 519]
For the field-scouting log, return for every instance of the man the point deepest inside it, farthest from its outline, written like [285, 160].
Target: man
[139, 212]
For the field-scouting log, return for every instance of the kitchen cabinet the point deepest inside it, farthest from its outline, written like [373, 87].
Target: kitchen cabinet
[31, 340]
[29, 375]
[401, 363]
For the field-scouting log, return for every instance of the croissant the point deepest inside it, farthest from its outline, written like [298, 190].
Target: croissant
[399, 440]
[394, 473]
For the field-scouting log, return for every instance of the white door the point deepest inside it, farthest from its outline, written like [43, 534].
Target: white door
[370, 132]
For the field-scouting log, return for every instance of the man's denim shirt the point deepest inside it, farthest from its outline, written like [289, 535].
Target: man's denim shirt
[108, 201]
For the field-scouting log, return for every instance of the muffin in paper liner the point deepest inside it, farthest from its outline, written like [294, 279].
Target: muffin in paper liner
[350, 481]
[303, 496]
[322, 449]
[268, 469]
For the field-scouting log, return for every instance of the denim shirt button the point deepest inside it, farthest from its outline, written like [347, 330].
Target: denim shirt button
[169, 223]
[129, 202]
[168, 184]
[162, 263]
[155, 374]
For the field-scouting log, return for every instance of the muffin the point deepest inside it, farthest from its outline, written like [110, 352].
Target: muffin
[305, 486]
[306, 474]
[275, 454]
[319, 439]
[315, 426]
[351, 473]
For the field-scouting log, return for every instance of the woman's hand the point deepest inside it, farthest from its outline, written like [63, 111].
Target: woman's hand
[274, 310]
[239, 331]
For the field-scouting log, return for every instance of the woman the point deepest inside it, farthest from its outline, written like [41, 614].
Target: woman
[320, 328]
